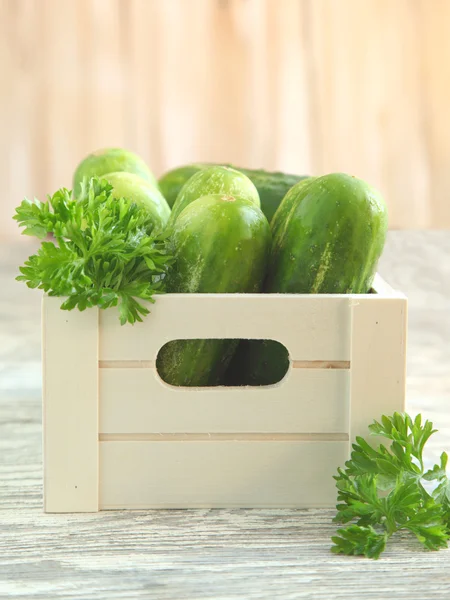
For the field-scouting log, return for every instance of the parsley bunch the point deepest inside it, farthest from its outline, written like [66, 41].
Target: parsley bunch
[381, 490]
[105, 252]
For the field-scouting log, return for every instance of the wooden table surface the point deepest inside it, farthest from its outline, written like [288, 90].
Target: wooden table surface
[208, 554]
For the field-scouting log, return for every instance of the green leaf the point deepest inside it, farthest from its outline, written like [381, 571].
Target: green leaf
[429, 526]
[359, 541]
[105, 252]
[381, 490]
[436, 473]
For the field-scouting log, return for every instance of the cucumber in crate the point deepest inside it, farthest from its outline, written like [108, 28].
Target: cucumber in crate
[272, 186]
[327, 236]
[221, 245]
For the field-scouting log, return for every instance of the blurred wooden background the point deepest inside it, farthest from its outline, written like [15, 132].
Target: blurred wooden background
[307, 86]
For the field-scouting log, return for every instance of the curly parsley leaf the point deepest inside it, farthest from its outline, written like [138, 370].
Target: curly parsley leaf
[105, 252]
[359, 540]
[381, 490]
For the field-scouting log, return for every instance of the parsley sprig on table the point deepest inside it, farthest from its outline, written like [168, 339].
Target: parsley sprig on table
[381, 490]
[104, 251]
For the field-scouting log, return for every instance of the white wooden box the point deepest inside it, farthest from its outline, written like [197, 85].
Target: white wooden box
[116, 436]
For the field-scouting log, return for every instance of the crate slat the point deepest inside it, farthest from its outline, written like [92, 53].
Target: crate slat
[70, 408]
[315, 328]
[214, 474]
[307, 400]
[378, 360]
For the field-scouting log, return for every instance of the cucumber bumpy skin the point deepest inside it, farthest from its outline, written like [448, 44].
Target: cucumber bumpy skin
[330, 239]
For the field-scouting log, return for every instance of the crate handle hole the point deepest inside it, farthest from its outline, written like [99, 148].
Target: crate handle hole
[230, 362]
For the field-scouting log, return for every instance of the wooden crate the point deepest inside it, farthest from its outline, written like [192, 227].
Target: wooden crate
[116, 436]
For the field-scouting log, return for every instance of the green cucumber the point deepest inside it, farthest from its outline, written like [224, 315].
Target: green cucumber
[257, 362]
[280, 217]
[271, 186]
[214, 180]
[143, 193]
[111, 160]
[327, 237]
[171, 182]
[330, 240]
[221, 245]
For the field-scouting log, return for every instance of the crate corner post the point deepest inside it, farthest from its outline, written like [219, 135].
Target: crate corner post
[378, 359]
[70, 408]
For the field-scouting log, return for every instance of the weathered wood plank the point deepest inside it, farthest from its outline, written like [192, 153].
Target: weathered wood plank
[70, 409]
[310, 335]
[307, 400]
[378, 360]
[219, 473]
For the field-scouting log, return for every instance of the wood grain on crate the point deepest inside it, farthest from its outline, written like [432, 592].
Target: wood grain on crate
[219, 473]
[320, 332]
[152, 405]
[70, 413]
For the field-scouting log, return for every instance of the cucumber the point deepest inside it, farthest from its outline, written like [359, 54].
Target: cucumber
[221, 244]
[330, 239]
[280, 217]
[214, 180]
[142, 193]
[171, 182]
[111, 160]
[257, 362]
[271, 186]
[327, 237]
